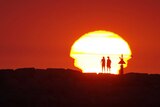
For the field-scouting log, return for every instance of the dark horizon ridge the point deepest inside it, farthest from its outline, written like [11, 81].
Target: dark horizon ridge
[65, 87]
[68, 69]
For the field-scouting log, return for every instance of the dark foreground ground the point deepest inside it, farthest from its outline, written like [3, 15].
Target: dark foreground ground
[68, 88]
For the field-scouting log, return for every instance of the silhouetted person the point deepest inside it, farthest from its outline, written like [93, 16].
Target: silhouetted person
[108, 64]
[121, 66]
[103, 64]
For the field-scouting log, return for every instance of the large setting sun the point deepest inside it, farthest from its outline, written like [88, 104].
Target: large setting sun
[89, 49]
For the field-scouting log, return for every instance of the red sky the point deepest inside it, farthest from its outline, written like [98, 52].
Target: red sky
[39, 33]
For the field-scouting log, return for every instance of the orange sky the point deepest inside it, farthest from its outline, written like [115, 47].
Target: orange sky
[38, 33]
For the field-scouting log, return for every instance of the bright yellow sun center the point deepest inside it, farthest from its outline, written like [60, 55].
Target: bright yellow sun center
[89, 49]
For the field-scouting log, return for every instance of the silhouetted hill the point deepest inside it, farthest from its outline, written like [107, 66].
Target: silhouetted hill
[28, 87]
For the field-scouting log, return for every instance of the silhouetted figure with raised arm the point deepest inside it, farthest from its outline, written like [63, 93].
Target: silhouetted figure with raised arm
[121, 62]
[108, 65]
[103, 64]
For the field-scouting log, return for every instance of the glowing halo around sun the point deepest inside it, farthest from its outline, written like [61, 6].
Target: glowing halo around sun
[88, 50]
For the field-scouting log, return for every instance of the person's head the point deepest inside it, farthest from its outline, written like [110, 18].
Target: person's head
[108, 57]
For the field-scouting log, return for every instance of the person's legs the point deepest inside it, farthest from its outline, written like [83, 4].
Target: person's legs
[102, 68]
[107, 69]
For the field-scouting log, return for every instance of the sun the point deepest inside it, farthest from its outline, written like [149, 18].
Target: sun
[89, 49]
